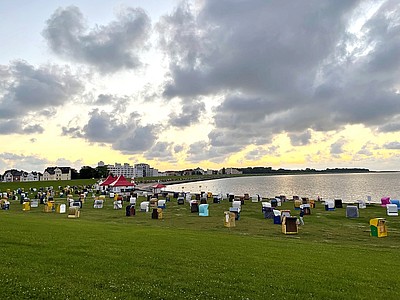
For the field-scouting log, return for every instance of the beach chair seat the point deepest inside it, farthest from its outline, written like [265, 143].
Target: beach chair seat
[338, 203]
[144, 206]
[61, 208]
[395, 201]
[130, 210]
[329, 205]
[161, 204]
[229, 220]
[132, 200]
[352, 211]
[74, 212]
[290, 225]
[391, 210]
[236, 211]
[265, 205]
[203, 210]
[362, 204]
[98, 204]
[277, 216]
[237, 203]
[117, 204]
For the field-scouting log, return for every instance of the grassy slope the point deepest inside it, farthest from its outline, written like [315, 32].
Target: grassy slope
[106, 255]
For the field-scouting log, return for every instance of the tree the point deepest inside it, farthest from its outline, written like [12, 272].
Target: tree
[74, 174]
[102, 171]
[88, 172]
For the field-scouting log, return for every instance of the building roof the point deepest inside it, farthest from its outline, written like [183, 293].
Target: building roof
[51, 170]
[121, 181]
[108, 180]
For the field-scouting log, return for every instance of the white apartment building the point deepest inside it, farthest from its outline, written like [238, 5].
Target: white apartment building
[125, 169]
[128, 171]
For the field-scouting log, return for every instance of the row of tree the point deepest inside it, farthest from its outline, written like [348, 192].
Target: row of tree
[87, 172]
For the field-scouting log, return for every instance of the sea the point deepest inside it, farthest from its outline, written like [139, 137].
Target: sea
[348, 187]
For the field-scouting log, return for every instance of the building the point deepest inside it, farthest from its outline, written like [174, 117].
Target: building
[12, 175]
[142, 170]
[232, 171]
[118, 169]
[57, 173]
[32, 176]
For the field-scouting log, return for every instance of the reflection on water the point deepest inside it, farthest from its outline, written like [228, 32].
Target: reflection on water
[348, 187]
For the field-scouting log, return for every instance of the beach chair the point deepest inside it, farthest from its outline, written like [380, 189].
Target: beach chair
[391, 210]
[265, 205]
[217, 199]
[144, 206]
[237, 203]
[74, 212]
[254, 198]
[351, 211]
[61, 208]
[5, 204]
[26, 205]
[378, 227]
[153, 202]
[98, 204]
[290, 225]
[132, 200]
[385, 201]
[181, 200]
[236, 211]
[229, 220]
[329, 205]
[161, 204]
[117, 204]
[306, 208]
[203, 210]
[297, 204]
[269, 213]
[395, 201]
[194, 206]
[338, 203]
[277, 216]
[34, 203]
[362, 204]
[130, 210]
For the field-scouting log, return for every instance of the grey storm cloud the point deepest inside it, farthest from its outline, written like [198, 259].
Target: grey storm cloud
[31, 89]
[190, 114]
[127, 136]
[392, 145]
[284, 67]
[162, 151]
[300, 139]
[31, 162]
[28, 91]
[108, 48]
[337, 147]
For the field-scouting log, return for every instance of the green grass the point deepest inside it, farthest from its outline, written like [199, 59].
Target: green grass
[106, 255]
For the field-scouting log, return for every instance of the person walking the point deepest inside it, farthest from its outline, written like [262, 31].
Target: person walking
[301, 216]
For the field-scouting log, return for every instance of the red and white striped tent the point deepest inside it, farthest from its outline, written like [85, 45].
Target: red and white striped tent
[120, 183]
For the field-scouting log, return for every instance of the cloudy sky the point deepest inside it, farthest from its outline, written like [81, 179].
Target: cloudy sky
[182, 84]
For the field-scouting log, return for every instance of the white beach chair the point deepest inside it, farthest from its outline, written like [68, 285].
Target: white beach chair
[391, 210]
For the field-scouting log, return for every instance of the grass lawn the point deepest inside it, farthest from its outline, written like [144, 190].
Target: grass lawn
[106, 255]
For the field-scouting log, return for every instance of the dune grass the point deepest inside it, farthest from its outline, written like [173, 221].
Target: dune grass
[106, 255]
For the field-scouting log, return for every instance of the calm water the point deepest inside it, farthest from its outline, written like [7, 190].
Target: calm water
[348, 187]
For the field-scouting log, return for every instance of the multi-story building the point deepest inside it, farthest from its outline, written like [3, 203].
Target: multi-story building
[118, 169]
[12, 175]
[57, 173]
[32, 176]
[142, 170]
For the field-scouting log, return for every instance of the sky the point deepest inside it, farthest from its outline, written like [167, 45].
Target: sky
[210, 84]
